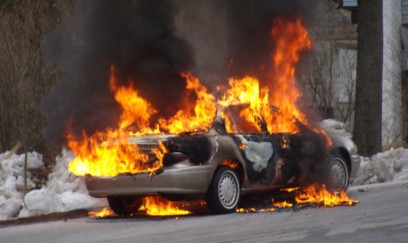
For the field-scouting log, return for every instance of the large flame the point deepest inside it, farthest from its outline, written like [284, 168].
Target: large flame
[136, 111]
[279, 106]
[197, 115]
[291, 38]
[262, 105]
[260, 108]
[100, 155]
[108, 153]
[245, 92]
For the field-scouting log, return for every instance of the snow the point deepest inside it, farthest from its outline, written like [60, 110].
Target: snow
[389, 166]
[65, 192]
[12, 181]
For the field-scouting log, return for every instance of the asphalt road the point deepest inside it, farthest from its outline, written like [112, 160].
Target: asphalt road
[381, 216]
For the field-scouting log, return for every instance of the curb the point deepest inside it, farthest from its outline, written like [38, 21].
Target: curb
[81, 213]
[360, 188]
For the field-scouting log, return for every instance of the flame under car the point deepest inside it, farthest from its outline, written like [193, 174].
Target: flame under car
[220, 167]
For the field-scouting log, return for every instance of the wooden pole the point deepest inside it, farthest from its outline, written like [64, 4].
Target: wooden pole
[25, 173]
[13, 150]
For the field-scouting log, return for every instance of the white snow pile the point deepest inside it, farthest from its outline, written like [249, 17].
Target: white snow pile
[12, 181]
[63, 192]
[389, 166]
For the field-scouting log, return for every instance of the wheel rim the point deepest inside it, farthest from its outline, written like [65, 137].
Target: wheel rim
[339, 174]
[228, 190]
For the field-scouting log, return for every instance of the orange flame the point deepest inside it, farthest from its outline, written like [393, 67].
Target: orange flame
[254, 210]
[283, 204]
[290, 38]
[100, 155]
[153, 206]
[230, 163]
[291, 189]
[245, 92]
[313, 195]
[107, 153]
[195, 117]
[105, 212]
[319, 194]
[157, 206]
[135, 110]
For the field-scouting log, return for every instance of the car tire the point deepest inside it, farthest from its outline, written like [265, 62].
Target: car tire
[224, 191]
[125, 206]
[339, 172]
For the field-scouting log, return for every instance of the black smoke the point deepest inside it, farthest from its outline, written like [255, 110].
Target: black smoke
[146, 44]
[137, 37]
[249, 28]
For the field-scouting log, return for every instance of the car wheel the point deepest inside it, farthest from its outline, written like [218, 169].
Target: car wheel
[125, 206]
[339, 173]
[223, 193]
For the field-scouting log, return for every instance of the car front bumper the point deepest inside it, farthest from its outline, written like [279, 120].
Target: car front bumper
[187, 180]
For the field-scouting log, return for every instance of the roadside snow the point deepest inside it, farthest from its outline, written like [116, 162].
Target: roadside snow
[12, 181]
[63, 192]
[389, 166]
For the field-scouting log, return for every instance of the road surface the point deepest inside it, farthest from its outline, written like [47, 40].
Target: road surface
[381, 216]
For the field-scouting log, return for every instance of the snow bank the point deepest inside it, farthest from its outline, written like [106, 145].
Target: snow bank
[63, 192]
[389, 166]
[12, 181]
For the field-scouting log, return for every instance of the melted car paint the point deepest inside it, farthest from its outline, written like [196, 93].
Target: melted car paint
[259, 153]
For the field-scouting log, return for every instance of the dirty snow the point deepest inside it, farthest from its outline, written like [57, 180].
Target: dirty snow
[65, 192]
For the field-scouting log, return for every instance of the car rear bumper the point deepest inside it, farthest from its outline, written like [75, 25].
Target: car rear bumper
[183, 181]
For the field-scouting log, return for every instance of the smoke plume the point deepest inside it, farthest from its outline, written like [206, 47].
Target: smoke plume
[137, 37]
[150, 42]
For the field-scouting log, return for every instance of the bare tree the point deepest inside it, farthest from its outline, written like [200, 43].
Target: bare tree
[346, 80]
[24, 77]
[317, 79]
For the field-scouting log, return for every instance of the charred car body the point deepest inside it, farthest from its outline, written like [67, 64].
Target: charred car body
[220, 167]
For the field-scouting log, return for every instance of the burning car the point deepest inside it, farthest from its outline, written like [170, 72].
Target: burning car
[211, 148]
[220, 167]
